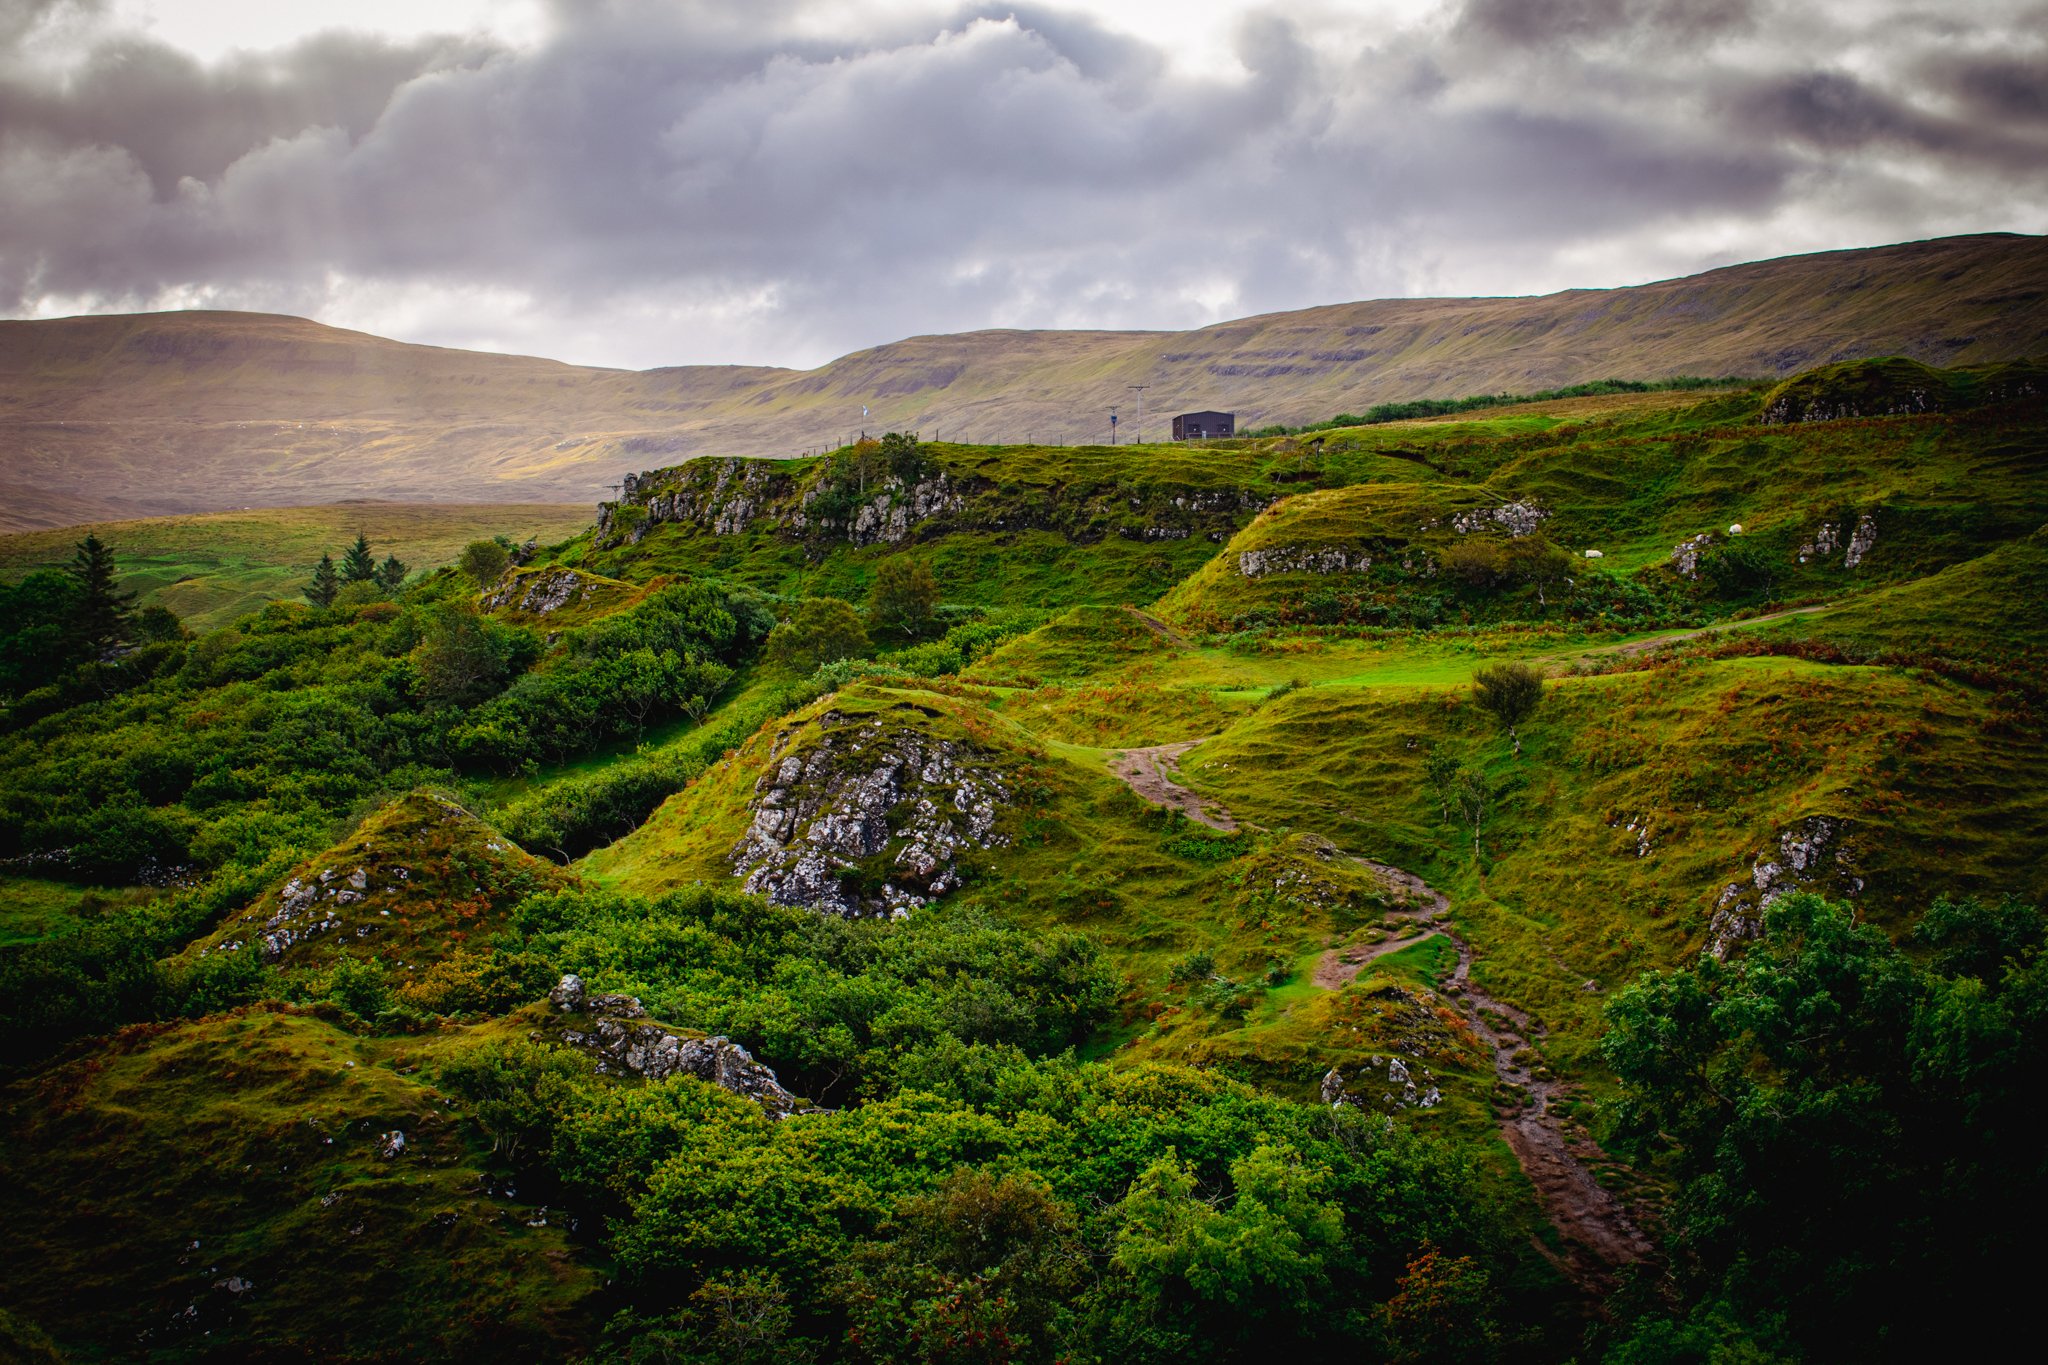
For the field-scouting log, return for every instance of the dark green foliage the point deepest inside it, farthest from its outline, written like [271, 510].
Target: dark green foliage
[326, 583]
[485, 561]
[665, 656]
[571, 817]
[1738, 571]
[984, 1267]
[391, 574]
[101, 613]
[1510, 692]
[466, 657]
[35, 630]
[1855, 1133]
[821, 630]
[836, 1003]
[358, 565]
[904, 600]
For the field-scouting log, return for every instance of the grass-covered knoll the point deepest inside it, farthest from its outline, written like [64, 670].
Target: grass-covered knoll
[1984, 614]
[1896, 386]
[213, 567]
[421, 880]
[221, 1187]
[1936, 790]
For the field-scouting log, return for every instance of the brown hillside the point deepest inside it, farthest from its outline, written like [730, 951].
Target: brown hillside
[194, 411]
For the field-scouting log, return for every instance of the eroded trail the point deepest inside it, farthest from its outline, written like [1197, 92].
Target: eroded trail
[1599, 1233]
[1150, 773]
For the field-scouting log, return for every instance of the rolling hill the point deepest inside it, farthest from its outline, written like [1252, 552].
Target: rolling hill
[184, 412]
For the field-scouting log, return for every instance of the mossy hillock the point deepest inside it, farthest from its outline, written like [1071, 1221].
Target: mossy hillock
[422, 879]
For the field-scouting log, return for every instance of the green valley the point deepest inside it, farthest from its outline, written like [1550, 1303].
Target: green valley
[1560, 881]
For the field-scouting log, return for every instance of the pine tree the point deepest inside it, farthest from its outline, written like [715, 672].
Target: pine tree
[104, 613]
[326, 582]
[357, 566]
[391, 573]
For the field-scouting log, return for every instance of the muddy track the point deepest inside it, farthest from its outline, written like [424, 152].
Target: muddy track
[1158, 627]
[1600, 1236]
[1151, 772]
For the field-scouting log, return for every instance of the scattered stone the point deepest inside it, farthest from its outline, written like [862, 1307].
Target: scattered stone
[1815, 854]
[1518, 519]
[568, 993]
[1333, 1088]
[650, 1051]
[1323, 559]
[391, 1144]
[1685, 556]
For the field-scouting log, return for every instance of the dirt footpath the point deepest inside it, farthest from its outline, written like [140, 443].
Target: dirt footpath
[1599, 1233]
[1150, 773]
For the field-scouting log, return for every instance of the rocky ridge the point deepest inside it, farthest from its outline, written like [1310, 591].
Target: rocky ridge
[798, 501]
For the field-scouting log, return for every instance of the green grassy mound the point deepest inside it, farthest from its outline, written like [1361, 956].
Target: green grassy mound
[1641, 797]
[221, 1189]
[419, 881]
[557, 597]
[1896, 386]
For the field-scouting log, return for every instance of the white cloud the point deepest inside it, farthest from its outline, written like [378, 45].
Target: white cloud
[642, 183]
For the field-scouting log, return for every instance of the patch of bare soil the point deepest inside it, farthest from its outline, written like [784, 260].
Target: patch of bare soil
[1151, 772]
[1158, 627]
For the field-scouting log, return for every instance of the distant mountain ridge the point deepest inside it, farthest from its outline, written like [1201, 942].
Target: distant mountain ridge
[178, 412]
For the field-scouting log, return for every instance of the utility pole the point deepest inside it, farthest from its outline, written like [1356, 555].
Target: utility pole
[1138, 435]
[1112, 426]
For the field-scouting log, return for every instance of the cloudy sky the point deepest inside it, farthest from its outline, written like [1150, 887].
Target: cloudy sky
[647, 182]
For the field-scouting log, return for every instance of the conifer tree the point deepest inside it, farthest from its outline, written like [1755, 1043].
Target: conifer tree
[391, 573]
[326, 582]
[357, 565]
[104, 612]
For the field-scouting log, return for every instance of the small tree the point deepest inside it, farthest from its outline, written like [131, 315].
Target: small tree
[1475, 799]
[103, 612]
[326, 583]
[391, 574]
[1441, 772]
[821, 631]
[904, 599]
[357, 563]
[1512, 692]
[485, 561]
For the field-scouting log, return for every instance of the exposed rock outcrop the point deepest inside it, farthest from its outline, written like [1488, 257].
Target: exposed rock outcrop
[1518, 519]
[1316, 559]
[543, 592]
[870, 819]
[1816, 854]
[810, 502]
[625, 1041]
[1829, 538]
[1685, 556]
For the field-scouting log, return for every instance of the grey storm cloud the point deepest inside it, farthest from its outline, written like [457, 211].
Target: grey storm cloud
[657, 182]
